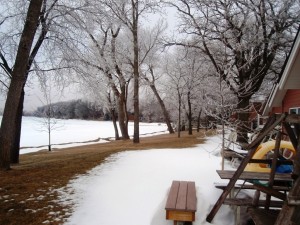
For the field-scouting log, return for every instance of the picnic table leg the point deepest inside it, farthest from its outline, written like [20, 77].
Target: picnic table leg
[175, 222]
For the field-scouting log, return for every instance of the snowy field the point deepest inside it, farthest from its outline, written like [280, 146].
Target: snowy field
[68, 133]
[132, 186]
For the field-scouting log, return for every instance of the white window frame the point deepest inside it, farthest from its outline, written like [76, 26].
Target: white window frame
[297, 110]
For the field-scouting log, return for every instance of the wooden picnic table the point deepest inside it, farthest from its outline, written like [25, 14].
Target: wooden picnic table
[253, 182]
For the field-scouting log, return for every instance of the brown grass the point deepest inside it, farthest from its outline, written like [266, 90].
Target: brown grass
[28, 192]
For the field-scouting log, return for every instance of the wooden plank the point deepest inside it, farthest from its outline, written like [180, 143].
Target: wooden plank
[182, 196]
[255, 200]
[191, 204]
[249, 186]
[270, 191]
[247, 175]
[185, 201]
[252, 148]
[296, 172]
[236, 186]
[172, 197]
[249, 202]
[291, 134]
[269, 161]
[180, 215]
[273, 170]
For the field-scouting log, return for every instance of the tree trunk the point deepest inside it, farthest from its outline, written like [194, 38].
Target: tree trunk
[122, 117]
[198, 120]
[18, 80]
[125, 107]
[49, 128]
[190, 113]
[243, 120]
[15, 150]
[135, 15]
[113, 116]
[163, 108]
[179, 115]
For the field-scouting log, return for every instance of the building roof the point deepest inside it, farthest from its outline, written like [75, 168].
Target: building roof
[290, 78]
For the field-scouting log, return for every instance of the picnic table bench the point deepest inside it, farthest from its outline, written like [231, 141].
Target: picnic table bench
[181, 203]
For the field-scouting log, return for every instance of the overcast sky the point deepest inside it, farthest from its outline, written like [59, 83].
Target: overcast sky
[34, 96]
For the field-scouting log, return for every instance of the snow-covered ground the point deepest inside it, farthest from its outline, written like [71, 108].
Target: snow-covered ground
[68, 133]
[132, 186]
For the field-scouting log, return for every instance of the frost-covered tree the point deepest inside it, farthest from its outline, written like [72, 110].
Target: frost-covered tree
[113, 51]
[175, 71]
[129, 14]
[193, 76]
[150, 64]
[48, 122]
[50, 32]
[100, 60]
[244, 40]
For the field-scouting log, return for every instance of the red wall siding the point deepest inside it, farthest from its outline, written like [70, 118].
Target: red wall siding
[276, 110]
[291, 100]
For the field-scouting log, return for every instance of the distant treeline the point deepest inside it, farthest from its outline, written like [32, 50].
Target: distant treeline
[82, 109]
[75, 109]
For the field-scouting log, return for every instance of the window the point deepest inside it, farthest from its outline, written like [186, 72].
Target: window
[294, 111]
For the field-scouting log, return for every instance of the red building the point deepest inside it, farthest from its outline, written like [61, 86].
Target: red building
[285, 96]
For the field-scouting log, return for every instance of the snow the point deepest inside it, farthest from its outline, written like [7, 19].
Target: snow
[132, 186]
[69, 133]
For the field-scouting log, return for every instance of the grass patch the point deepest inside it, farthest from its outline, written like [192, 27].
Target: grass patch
[28, 192]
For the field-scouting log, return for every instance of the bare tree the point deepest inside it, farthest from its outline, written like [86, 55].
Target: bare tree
[48, 121]
[100, 65]
[18, 80]
[193, 76]
[244, 41]
[6, 60]
[175, 72]
[49, 29]
[149, 64]
[129, 13]
[151, 82]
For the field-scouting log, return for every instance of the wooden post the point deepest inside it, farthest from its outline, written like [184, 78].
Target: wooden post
[256, 198]
[273, 168]
[291, 134]
[289, 213]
